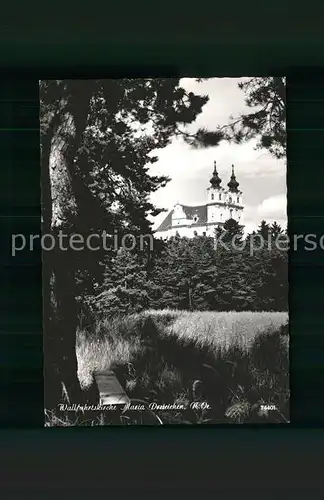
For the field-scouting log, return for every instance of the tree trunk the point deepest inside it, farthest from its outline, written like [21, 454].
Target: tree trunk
[60, 207]
[190, 296]
[63, 354]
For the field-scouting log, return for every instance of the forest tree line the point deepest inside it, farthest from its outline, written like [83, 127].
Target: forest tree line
[193, 274]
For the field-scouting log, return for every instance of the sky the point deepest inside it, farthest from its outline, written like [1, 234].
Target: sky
[262, 177]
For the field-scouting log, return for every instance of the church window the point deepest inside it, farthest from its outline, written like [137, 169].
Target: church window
[212, 196]
[220, 196]
[238, 199]
[204, 233]
[230, 199]
[231, 214]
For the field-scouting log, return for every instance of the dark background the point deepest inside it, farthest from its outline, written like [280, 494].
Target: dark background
[203, 39]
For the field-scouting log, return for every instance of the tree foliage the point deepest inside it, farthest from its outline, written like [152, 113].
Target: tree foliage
[197, 274]
[265, 98]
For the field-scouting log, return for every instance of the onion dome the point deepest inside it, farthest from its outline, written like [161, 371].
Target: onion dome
[215, 179]
[233, 184]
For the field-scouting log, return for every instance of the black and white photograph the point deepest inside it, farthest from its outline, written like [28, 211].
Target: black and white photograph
[165, 251]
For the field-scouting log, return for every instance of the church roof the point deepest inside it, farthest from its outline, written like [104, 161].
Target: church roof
[200, 211]
[167, 223]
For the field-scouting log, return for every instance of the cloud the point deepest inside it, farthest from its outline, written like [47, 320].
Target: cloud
[274, 206]
[249, 219]
[249, 227]
[225, 99]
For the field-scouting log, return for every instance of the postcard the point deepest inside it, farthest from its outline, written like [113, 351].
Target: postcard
[165, 251]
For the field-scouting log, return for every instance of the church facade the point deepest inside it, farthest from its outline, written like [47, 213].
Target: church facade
[221, 205]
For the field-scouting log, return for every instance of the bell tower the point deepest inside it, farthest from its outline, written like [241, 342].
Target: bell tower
[233, 197]
[214, 192]
[215, 199]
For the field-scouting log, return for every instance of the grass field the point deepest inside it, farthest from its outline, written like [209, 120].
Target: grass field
[235, 361]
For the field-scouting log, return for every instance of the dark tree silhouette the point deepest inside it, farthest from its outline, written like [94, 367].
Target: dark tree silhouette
[205, 274]
[266, 122]
[96, 140]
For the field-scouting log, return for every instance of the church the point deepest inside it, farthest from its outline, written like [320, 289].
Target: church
[221, 204]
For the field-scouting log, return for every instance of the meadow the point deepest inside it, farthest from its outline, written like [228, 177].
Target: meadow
[238, 362]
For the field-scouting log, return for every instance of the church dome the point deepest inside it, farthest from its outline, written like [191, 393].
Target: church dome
[233, 184]
[215, 179]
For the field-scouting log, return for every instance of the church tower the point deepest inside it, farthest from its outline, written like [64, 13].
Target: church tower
[223, 204]
[234, 199]
[202, 220]
[215, 199]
